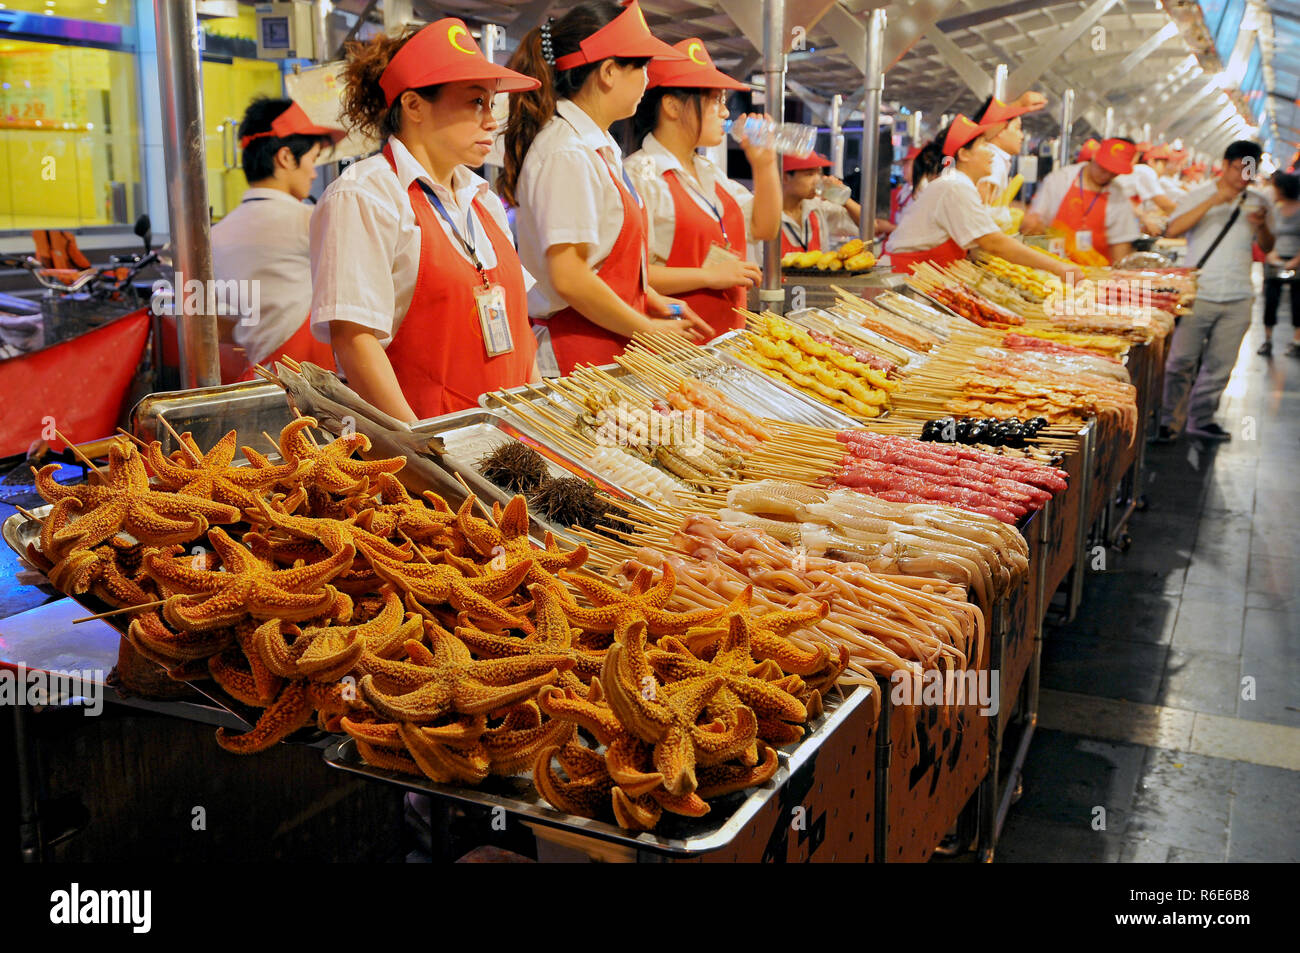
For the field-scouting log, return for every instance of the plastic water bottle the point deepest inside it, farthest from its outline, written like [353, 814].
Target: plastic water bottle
[788, 138]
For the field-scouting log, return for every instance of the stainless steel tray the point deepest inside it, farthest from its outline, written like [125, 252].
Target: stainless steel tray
[675, 836]
[209, 413]
[467, 434]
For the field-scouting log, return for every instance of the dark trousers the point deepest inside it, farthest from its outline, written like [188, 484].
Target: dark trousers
[1273, 297]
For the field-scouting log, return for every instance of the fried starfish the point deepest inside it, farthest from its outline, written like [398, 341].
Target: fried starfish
[152, 638]
[585, 790]
[332, 467]
[673, 661]
[101, 572]
[510, 538]
[291, 710]
[433, 584]
[327, 653]
[627, 758]
[768, 639]
[46, 551]
[513, 745]
[211, 476]
[552, 636]
[335, 535]
[125, 501]
[604, 617]
[247, 586]
[452, 681]
[397, 512]
[667, 715]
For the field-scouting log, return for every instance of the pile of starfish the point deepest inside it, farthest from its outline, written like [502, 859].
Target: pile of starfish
[446, 643]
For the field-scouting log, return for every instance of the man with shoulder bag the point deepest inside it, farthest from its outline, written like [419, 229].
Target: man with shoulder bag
[1220, 219]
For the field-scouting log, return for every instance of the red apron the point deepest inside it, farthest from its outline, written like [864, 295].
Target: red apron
[814, 239]
[1075, 215]
[576, 340]
[902, 262]
[301, 346]
[438, 353]
[695, 233]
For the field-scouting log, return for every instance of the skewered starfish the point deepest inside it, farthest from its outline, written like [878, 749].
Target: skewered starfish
[666, 715]
[586, 792]
[44, 552]
[332, 466]
[327, 653]
[247, 586]
[452, 681]
[291, 710]
[100, 571]
[126, 502]
[510, 537]
[673, 661]
[767, 639]
[333, 534]
[513, 745]
[552, 637]
[397, 511]
[151, 636]
[433, 584]
[605, 616]
[211, 476]
[627, 758]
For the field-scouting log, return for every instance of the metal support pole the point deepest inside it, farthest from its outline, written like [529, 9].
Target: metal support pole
[1146, 132]
[837, 137]
[1108, 127]
[999, 83]
[180, 83]
[1067, 121]
[320, 22]
[772, 295]
[914, 127]
[875, 72]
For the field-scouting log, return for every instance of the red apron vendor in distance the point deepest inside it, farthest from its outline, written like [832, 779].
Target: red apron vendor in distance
[415, 280]
[581, 222]
[1084, 201]
[701, 222]
[947, 217]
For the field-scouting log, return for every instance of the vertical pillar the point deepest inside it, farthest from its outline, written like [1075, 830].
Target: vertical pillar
[180, 81]
[771, 294]
[1067, 122]
[837, 137]
[999, 84]
[875, 69]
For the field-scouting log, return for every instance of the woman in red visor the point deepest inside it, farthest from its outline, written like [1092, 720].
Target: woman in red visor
[581, 223]
[415, 280]
[948, 217]
[700, 221]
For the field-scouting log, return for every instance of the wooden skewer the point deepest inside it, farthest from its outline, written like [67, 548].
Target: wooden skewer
[179, 439]
[105, 615]
[76, 452]
[133, 438]
[474, 496]
[29, 514]
[415, 548]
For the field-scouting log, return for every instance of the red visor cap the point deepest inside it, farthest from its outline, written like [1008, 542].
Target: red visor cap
[1116, 155]
[962, 132]
[999, 112]
[294, 122]
[1088, 149]
[627, 36]
[812, 160]
[445, 52]
[695, 72]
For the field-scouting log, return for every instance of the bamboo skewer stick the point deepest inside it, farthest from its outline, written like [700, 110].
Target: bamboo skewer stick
[180, 440]
[76, 452]
[105, 615]
[29, 514]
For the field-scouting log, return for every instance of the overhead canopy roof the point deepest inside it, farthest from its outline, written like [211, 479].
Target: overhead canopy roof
[1126, 54]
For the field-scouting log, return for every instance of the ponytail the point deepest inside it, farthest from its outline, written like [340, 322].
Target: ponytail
[929, 162]
[530, 111]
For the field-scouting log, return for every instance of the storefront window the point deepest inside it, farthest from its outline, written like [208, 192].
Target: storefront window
[228, 88]
[96, 11]
[69, 135]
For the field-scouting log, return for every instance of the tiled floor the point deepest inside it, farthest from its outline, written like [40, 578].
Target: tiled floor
[1170, 716]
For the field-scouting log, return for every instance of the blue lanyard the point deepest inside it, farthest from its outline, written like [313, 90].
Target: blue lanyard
[686, 180]
[1095, 196]
[470, 249]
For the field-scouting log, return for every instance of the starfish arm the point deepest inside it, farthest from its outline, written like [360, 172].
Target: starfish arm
[427, 703]
[286, 715]
[626, 759]
[443, 763]
[472, 696]
[722, 779]
[387, 759]
[635, 814]
[570, 706]
[149, 630]
[584, 795]
[688, 805]
[724, 738]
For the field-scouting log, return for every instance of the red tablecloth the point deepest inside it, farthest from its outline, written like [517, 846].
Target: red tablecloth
[77, 386]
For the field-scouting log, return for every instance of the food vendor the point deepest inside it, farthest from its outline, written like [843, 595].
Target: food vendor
[948, 216]
[700, 220]
[902, 194]
[415, 281]
[1145, 183]
[810, 222]
[1005, 138]
[265, 239]
[581, 223]
[1083, 201]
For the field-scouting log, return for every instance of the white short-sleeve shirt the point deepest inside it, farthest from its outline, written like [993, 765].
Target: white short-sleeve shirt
[1121, 223]
[647, 167]
[1142, 182]
[365, 242]
[567, 196]
[948, 207]
[266, 238]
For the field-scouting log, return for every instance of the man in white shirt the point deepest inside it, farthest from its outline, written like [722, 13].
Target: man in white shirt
[1221, 219]
[265, 240]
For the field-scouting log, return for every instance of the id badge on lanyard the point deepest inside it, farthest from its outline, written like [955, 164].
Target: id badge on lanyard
[1083, 240]
[494, 319]
[718, 255]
